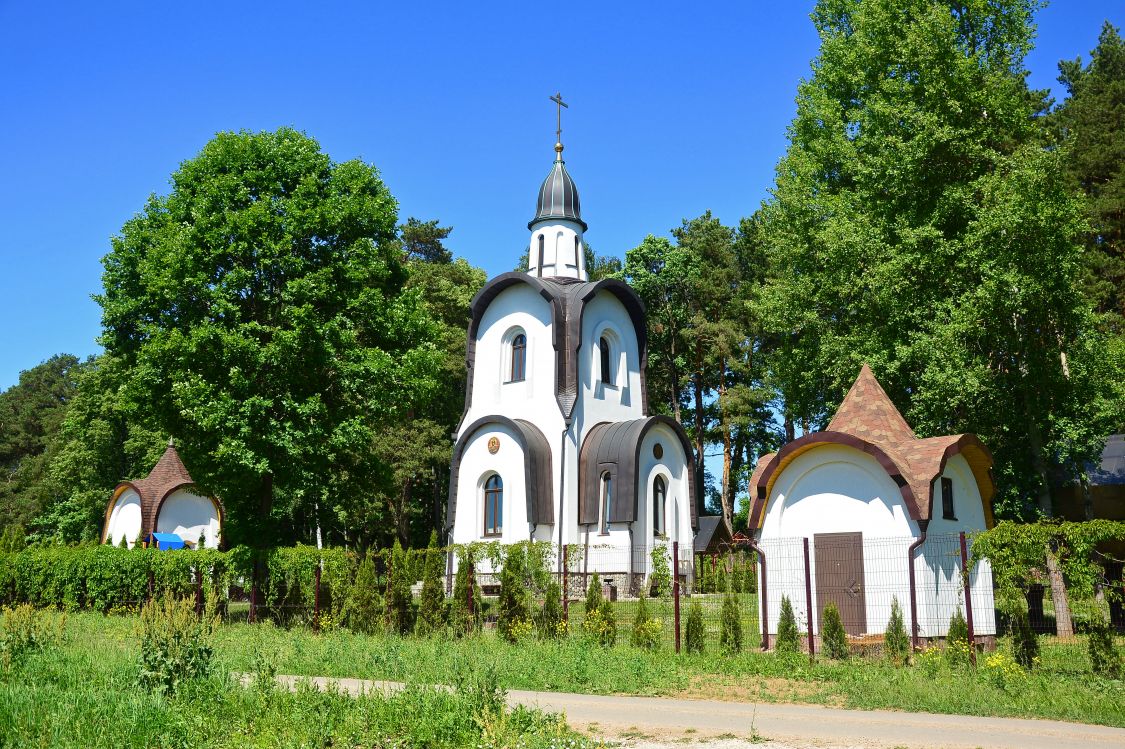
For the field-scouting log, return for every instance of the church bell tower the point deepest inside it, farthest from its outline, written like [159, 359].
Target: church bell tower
[556, 249]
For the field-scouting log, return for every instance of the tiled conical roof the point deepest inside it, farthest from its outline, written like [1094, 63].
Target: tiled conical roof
[868, 413]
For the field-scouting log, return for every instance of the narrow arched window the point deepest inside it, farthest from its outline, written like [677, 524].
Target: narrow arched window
[658, 493]
[493, 506]
[606, 361]
[539, 269]
[947, 512]
[577, 253]
[519, 359]
[607, 501]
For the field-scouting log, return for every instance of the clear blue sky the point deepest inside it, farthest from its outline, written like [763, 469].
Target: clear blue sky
[674, 110]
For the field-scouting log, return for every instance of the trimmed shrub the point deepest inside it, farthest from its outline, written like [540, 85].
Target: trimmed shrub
[398, 603]
[593, 595]
[730, 632]
[788, 638]
[175, 645]
[646, 630]
[513, 619]
[694, 628]
[466, 620]
[896, 643]
[832, 633]
[363, 611]
[957, 639]
[608, 634]
[550, 620]
[431, 609]
[661, 581]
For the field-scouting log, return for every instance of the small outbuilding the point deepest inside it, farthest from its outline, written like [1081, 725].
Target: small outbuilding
[881, 512]
[166, 501]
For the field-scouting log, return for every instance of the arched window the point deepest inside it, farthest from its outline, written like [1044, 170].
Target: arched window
[518, 370]
[577, 253]
[607, 500]
[539, 268]
[606, 360]
[493, 506]
[659, 491]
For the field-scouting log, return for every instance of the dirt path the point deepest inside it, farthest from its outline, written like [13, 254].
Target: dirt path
[651, 722]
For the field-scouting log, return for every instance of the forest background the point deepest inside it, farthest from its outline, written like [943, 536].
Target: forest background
[933, 217]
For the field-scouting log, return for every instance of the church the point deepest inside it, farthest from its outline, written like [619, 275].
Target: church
[556, 443]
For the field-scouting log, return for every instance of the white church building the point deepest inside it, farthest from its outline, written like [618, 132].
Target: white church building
[556, 443]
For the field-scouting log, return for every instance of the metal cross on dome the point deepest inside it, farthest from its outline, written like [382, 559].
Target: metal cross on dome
[557, 98]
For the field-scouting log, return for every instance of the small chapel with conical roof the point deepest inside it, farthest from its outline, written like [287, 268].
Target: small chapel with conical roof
[166, 502]
[556, 442]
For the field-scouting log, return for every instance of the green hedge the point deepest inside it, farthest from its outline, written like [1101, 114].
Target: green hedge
[103, 577]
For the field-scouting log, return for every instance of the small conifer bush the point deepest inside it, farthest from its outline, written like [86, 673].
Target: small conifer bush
[593, 594]
[896, 643]
[513, 617]
[550, 620]
[646, 630]
[694, 628]
[957, 639]
[788, 638]
[363, 611]
[431, 609]
[1025, 643]
[608, 633]
[398, 603]
[465, 619]
[730, 631]
[832, 633]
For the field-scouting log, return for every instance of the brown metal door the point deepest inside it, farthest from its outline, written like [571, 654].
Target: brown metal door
[839, 578]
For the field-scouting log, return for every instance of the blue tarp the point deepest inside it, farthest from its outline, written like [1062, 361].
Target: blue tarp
[167, 541]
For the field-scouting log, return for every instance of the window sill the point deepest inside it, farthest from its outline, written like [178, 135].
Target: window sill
[514, 382]
[950, 517]
[491, 535]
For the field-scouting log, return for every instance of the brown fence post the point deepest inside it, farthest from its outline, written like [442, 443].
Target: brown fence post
[198, 591]
[809, 603]
[676, 588]
[566, 584]
[968, 599]
[316, 599]
[764, 591]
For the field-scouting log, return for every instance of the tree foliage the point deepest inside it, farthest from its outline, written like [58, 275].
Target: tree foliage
[260, 314]
[917, 224]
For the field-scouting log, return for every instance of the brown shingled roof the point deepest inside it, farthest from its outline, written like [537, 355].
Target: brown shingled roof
[867, 420]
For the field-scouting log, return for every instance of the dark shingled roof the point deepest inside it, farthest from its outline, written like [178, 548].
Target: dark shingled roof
[558, 198]
[868, 421]
[712, 529]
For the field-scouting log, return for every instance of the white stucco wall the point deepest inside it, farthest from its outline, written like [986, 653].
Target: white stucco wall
[477, 464]
[838, 489]
[125, 519]
[559, 255]
[188, 515]
[621, 400]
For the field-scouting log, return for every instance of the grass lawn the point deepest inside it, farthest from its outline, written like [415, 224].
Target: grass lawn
[105, 648]
[84, 694]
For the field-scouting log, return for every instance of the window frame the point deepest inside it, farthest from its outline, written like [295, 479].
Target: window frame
[606, 375]
[659, 498]
[948, 506]
[605, 493]
[517, 352]
[493, 492]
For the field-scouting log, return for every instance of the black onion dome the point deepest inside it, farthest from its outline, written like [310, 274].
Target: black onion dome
[558, 198]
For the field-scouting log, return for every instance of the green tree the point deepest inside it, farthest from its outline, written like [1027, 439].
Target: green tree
[467, 607]
[918, 225]
[1091, 123]
[896, 642]
[788, 638]
[103, 439]
[550, 620]
[260, 313]
[514, 604]
[694, 628]
[730, 624]
[431, 609]
[31, 415]
[425, 241]
[398, 603]
[832, 633]
[363, 610]
[646, 630]
[957, 639]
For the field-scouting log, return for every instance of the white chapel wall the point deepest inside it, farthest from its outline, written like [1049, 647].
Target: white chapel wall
[188, 515]
[125, 519]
